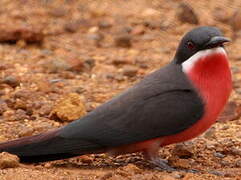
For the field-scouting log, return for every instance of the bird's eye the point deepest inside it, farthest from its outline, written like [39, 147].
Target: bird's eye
[190, 45]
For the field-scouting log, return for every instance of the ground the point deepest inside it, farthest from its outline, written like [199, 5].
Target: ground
[61, 55]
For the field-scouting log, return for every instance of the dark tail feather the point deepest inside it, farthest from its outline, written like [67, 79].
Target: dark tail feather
[47, 147]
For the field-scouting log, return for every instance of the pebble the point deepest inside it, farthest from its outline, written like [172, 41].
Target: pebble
[26, 131]
[218, 155]
[80, 90]
[56, 65]
[20, 115]
[104, 24]
[138, 30]
[130, 71]
[231, 112]
[23, 94]
[72, 26]
[186, 14]
[11, 81]
[70, 107]
[123, 40]
[86, 159]
[150, 12]
[23, 34]
[8, 160]
[3, 106]
[210, 134]
[238, 163]
[58, 12]
[183, 151]
[97, 38]
[20, 104]
[120, 61]
[236, 151]
[235, 20]
[220, 15]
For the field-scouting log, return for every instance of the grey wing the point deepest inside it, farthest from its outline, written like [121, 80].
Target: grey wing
[130, 121]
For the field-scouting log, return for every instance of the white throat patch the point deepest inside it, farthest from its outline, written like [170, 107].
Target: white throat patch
[190, 62]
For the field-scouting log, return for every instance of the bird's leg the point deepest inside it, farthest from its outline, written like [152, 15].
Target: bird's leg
[151, 154]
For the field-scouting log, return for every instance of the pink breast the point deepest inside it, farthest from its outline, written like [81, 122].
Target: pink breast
[212, 78]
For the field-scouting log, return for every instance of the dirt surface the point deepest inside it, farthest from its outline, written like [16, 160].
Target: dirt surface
[57, 55]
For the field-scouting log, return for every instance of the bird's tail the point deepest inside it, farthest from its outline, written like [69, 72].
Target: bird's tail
[45, 147]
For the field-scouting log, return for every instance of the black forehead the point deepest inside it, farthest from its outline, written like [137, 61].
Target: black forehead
[202, 34]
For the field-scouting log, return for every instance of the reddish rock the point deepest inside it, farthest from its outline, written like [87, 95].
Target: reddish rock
[231, 112]
[186, 14]
[69, 108]
[130, 71]
[14, 34]
[123, 40]
[184, 151]
[11, 81]
[8, 160]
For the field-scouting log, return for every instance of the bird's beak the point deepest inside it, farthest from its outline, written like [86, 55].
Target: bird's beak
[216, 41]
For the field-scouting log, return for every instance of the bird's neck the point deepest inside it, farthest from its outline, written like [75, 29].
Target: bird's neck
[210, 74]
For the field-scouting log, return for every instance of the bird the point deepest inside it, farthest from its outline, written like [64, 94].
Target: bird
[173, 104]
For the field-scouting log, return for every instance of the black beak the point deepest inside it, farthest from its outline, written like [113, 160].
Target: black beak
[216, 41]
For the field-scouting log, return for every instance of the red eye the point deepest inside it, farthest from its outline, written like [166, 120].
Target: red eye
[190, 45]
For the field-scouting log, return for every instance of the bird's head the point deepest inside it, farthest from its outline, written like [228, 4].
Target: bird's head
[198, 43]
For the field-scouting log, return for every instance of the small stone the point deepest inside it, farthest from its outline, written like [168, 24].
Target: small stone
[3, 107]
[218, 155]
[235, 21]
[27, 34]
[183, 151]
[23, 94]
[231, 112]
[8, 160]
[106, 176]
[104, 25]
[210, 134]
[150, 12]
[153, 24]
[72, 26]
[80, 90]
[61, 65]
[138, 30]
[11, 81]
[236, 151]
[131, 168]
[20, 104]
[167, 177]
[86, 159]
[45, 110]
[119, 61]
[97, 38]
[123, 40]
[58, 12]
[89, 64]
[69, 108]
[177, 175]
[130, 71]
[47, 165]
[20, 115]
[186, 14]
[220, 15]
[238, 163]
[26, 131]
[182, 163]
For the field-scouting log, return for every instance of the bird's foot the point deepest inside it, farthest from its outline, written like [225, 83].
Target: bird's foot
[161, 164]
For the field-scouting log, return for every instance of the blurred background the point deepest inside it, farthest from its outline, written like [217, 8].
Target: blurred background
[59, 59]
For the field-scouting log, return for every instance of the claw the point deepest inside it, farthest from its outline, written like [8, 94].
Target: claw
[161, 164]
